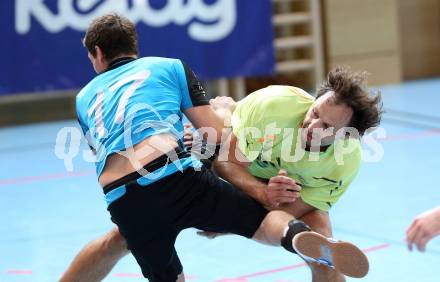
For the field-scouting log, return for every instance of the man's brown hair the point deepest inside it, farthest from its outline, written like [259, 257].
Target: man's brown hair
[350, 89]
[114, 34]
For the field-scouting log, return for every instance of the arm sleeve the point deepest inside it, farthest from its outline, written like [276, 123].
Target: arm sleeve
[192, 91]
[247, 129]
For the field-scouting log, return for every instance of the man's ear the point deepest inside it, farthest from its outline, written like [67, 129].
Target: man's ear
[99, 54]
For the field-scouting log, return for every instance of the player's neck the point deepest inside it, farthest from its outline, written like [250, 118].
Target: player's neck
[119, 61]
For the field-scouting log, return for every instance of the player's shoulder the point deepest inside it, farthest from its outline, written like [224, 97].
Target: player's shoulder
[162, 66]
[289, 91]
[159, 61]
[282, 94]
[276, 97]
[85, 91]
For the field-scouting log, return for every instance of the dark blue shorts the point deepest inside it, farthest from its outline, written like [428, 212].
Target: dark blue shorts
[150, 217]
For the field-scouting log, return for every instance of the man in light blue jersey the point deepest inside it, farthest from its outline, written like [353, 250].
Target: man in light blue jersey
[131, 115]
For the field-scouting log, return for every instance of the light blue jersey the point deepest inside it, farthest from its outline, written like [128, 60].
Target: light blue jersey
[135, 99]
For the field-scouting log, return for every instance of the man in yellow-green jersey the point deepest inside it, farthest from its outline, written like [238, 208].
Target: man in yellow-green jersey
[282, 130]
[277, 113]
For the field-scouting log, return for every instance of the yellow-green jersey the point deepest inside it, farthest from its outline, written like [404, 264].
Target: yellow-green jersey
[267, 124]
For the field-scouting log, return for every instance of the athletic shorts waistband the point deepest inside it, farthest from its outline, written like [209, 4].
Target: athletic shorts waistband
[152, 166]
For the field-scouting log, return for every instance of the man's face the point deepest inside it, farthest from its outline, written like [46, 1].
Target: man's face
[323, 120]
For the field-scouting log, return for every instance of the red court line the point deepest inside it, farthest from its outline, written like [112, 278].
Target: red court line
[410, 136]
[244, 278]
[138, 275]
[261, 273]
[376, 248]
[233, 280]
[46, 177]
[19, 272]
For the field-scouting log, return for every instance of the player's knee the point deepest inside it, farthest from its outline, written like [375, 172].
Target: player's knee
[181, 277]
[114, 242]
[294, 227]
[319, 221]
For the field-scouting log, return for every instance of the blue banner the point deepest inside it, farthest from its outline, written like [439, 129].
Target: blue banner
[42, 49]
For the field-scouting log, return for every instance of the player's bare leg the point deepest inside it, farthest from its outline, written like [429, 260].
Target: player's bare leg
[319, 222]
[314, 247]
[97, 258]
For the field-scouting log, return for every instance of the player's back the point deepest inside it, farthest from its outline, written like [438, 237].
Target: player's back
[129, 103]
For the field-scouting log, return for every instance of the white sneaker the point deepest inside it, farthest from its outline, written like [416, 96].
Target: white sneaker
[342, 256]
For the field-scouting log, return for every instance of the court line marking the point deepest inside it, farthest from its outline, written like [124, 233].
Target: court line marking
[46, 177]
[242, 278]
[295, 266]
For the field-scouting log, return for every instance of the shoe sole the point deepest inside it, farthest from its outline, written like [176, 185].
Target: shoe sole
[345, 257]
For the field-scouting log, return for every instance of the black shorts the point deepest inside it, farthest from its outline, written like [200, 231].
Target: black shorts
[150, 217]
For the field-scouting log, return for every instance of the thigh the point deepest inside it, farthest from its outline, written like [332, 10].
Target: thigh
[144, 219]
[157, 258]
[224, 208]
